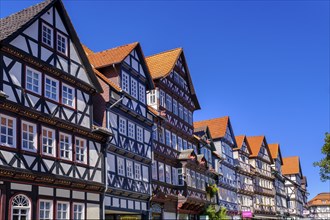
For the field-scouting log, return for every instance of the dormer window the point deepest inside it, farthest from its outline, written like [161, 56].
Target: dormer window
[47, 35]
[62, 43]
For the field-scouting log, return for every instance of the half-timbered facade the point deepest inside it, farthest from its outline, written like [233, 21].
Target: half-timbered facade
[291, 169]
[174, 97]
[51, 154]
[224, 141]
[245, 177]
[260, 159]
[122, 108]
[280, 196]
[319, 206]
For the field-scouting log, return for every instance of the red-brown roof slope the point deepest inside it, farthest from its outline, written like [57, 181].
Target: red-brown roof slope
[217, 126]
[111, 56]
[291, 165]
[275, 151]
[255, 143]
[161, 64]
[240, 140]
[322, 199]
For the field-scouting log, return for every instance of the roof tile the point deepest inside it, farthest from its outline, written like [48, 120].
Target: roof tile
[217, 126]
[255, 143]
[291, 165]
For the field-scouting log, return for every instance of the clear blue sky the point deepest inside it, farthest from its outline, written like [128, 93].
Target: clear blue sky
[263, 63]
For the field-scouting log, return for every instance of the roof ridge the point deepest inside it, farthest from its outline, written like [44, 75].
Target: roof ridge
[166, 51]
[120, 46]
[42, 2]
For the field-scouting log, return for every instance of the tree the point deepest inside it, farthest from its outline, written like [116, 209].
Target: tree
[324, 163]
[221, 214]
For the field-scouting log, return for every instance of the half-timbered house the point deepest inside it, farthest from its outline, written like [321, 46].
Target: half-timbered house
[174, 97]
[122, 108]
[319, 206]
[245, 177]
[280, 196]
[224, 141]
[292, 171]
[51, 155]
[261, 160]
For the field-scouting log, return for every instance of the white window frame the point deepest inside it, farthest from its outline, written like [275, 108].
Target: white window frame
[22, 205]
[151, 98]
[8, 130]
[76, 212]
[129, 168]
[80, 151]
[35, 137]
[161, 172]
[51, 88]
[142, 93]
[168, 174]
[67, 210]
[48, 139]
[174, 176]
[180, 146]
[131, 130]
[121, 166]
[125, 83]
[122, 126]
[174, 141]
[154, 170]
[184, 145]
[175, 106]
[38, 80]
[180, 111]
[59, 36]
[137, 171]
[51, 35]
[162, 95]
[134, 88]
[64, 149]
[168, 138]
[50, 210]
[67, 96]
[168, 102]
[139, 134]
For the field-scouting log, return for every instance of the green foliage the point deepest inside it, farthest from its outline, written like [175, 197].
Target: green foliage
[216, 215]
[212, 190]
[324, 163]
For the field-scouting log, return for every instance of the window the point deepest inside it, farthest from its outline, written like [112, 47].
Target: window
[179, 144]
[139, 134]
[131, 130]
[185, 114]
[47, 35]
[152, 97]
[175, 107]
[134, 88]
[193, 180]
[168, 102]
[142, 93]
[155, 132]
[63, 210]
[180, 177]
[189, 145]
[65, 146]
[174, 141]
[20, 207]
[8, 127]
[129, 168]
[48, 141]
[190, 117]
[154, 170]
[184, 145]
[62, 43]
[188, 177]
[161, 171]
[120, 166]
[174, 176]
[137, 168]
[33, 79]
[81, 150]
[145, 172]
[45, 209]
[125, 81]
[180, 111]
[162, 98]
[122, 126]
[168, 174]
[51, 88]
[168, 138]
[78, 211]
[67, 95]
[29, 136]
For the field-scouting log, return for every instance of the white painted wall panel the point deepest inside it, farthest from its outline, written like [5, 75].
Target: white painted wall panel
[45, 54]
[73, 53]
[32, 30]
[16, 74]
[19, 42]
[93, 211]
[45, 191]
[23, 187]
[59, 24]
[48, 16]
[82, 75]
[63, 193]
[78, 195]
[34, 48]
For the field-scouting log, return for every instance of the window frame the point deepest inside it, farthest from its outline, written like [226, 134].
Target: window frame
[120, 161]
[35, 136]
[51, 35]
[66, 43]
[161, 170]
[43, 128]
[44, 210]
[134, 89]
[138, 129]
[84, 148]
[137, 172]
[57, 88]
[123, 83]
[168, 138]
[14, 132]
[129, 162]
[34, 71]
[65, 150]
[142, 93]
[130, 130]
[68, 209]
[82, 211]
[73, 95]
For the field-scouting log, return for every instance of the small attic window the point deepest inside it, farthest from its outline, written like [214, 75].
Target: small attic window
[47, 35]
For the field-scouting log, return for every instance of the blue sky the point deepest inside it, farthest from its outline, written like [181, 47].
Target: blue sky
[263, 63]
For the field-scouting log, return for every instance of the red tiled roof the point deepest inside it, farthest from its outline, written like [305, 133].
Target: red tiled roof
[322, 199]
[217, 126]
[274, 150]
[240, 140]
[291, 165]
[111, 56]
[161, 64]
[255, 143]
